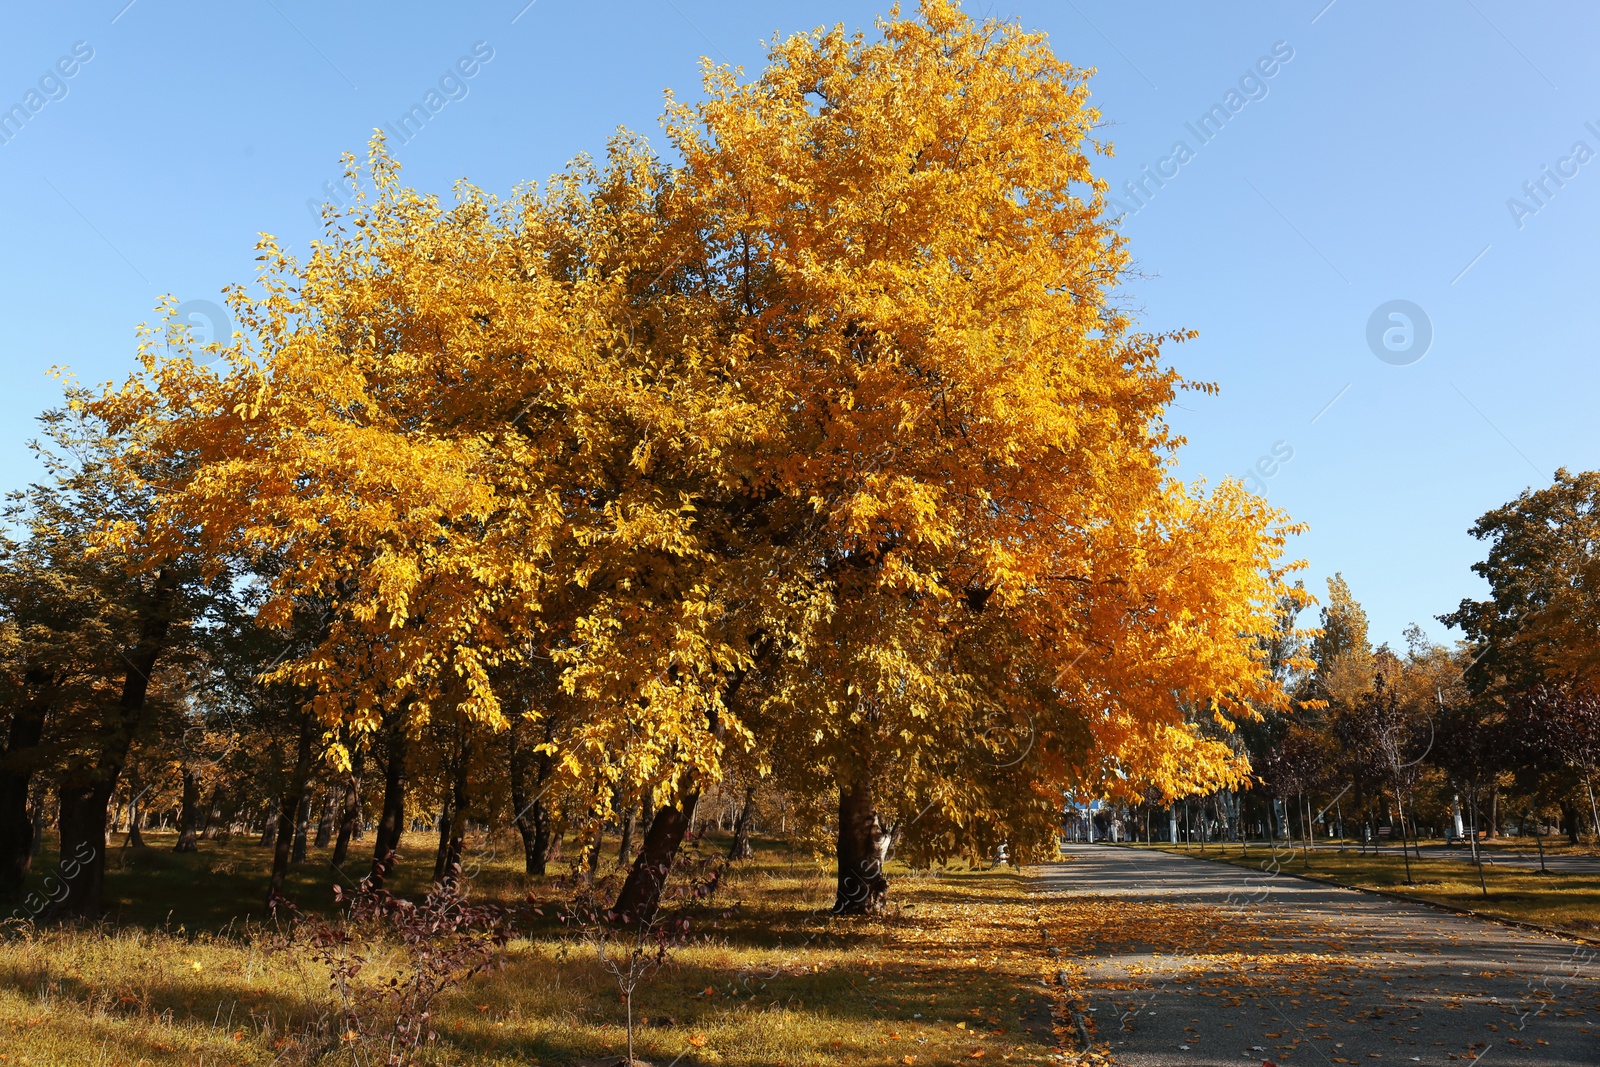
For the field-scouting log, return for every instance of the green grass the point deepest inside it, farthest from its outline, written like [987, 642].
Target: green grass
[1559, 900]
[185, 972]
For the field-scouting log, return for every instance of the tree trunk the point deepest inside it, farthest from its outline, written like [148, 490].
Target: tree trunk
[81, 867]
[350, 817]
[189, 815]
[625, 846]
[213, 815]
[40, 793]
[330, 804]
[594, 850]
[1569, 820]
[641, 893]
[460, 802]
[391, 823]
[290, 827]
[135, 816]
[1594, 810]
[740, 849]
[531, 814]
[440, 854]
[17, 833]
[269, 832]
[863, 849]
[453, 819]
[302, 828]
[82, 860]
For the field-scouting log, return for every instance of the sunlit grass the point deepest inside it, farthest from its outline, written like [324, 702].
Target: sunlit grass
[185, 974]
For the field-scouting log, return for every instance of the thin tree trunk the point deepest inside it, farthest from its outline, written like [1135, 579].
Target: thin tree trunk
[1569, 819]
[294, 798]
[625, 846]
[453, 831]
[351, 815]
[442, 852]
[594, 851]
[213, 815]
[531, 813]
[302, 827]
[330, 805]
[1538, 839]
[189, 815]
[1594, 812]
[40, 795]
[522, 815]
[1483, 885]
[740, 849]
[1407, 855]
[392, 821]
[135, 817]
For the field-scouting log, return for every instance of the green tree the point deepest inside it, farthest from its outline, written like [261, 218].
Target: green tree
[1541, 621]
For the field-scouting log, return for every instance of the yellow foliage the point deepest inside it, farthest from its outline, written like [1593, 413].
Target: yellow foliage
[829, 441]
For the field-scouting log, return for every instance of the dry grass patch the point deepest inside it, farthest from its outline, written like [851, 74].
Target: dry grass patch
[953, 974]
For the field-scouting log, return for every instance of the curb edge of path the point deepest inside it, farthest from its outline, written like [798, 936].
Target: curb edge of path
[1519, 924]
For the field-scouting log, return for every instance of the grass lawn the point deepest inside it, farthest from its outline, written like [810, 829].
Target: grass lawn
[185, 972]
[1561, 900]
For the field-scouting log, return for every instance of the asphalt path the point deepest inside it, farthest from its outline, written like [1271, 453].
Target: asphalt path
[1192, 962]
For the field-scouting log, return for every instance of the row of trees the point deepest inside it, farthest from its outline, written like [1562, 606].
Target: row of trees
[823, 455]
[1502, 728]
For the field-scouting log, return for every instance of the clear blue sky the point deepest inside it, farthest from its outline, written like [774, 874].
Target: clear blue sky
[1374, 165]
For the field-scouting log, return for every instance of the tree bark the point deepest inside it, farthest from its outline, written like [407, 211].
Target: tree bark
[625, 846]
[594, 850]
[641, 893]
[330, 804]
[391, 823]
[1569, 819]
[442, 825]
[740, 849]
[351, 815]
[213, 814]
[531, 814]
[135, 818]
[453, 831]
[189, 815]
[302, 828]
[290, 827]
[17, 833]
[863, 849]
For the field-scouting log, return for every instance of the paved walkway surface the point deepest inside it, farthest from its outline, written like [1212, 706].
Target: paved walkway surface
[1191, 962]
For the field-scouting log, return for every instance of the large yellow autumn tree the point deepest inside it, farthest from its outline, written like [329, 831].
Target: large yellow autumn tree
[921, 273]
[828, 441]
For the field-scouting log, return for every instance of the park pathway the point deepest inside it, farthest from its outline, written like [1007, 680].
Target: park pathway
[1184, 962]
